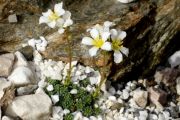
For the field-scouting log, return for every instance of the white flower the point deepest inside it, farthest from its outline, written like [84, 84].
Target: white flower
[57, 18]
[99, 36]
[64, 22]
[117, 45]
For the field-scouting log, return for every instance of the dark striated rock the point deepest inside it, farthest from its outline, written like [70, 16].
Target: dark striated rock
[152, 27]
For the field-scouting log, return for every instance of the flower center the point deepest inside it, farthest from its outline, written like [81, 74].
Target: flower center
[98, 42]
[117, 44]
[53, 17]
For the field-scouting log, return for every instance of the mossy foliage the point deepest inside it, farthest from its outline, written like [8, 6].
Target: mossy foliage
[83, 101]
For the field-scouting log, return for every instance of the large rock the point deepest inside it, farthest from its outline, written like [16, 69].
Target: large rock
[22, 76]
[158, 97]
[174, 60]
[20, 60]
[6, 92]
[4, 85]
[26, 90]
[140, 97]
[152, 31]
[178, 85]
[6, 64]
[22, 73]
[167, 76]
[30, 107]
[6, 118]
[0, 113]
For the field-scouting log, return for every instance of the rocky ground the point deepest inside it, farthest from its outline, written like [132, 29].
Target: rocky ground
[22, 85]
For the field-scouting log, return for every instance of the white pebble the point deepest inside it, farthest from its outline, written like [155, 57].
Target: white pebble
[133, 86]
[89, 88]
[78, 73]
[121, 110]
[166, 114]
[66, 111]
[143, 115]
[42, 84]
[88, 70]
[125, 94]
[118, 92]
[78, 116]
[129, 83]
[153, 117]
[128, 88]
[174, 60]
[92, 118]
[161, 117]
[112, 98]
[55, 98]
[120, 100]
[99, 117]
[73, 91]
[50, 88]
[85, 118]
[112, 90]
[32, 43]
[125, 1]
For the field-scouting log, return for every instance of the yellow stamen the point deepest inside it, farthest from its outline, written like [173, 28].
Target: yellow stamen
[117, 44]
[98, 42]
[53, 16]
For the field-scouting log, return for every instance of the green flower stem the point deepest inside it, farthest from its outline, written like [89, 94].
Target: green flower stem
[103, 76]
[69, 51]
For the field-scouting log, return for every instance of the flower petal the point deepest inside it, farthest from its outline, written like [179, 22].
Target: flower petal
[114, 33]
[68, 22]
[99, 28]
[94, 33]
[122, 34]
[48, 13]
[108, 24]
[93, 51]
[58, 9]
[43, 19]
[106, 46]
[52, 24]
[67, 15]
[87, 41]
[61, 31]
[60, 22]
[124, 50]
[105, 35]
[118, 57]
